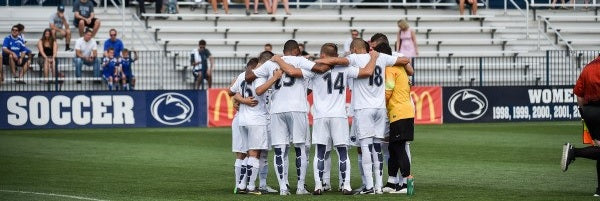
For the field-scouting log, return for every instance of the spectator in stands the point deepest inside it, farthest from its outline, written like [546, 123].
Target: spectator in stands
[110, 69]
[47, 47]
[14, 53]
[113, 42]
[21, 28]
[60, 26]
[214, 5]
[266, 3]
[286, 6]
[86, 53]
[406, 41]
[199, 62]
[158, 4]
[127, 76]
[142, 8]
[472, 3]
[171, 7]
[85, 17]
[562, 4]
[354, 35]
[303, 52]
[268, 47]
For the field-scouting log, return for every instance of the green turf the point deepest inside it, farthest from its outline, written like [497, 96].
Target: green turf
[501, 161]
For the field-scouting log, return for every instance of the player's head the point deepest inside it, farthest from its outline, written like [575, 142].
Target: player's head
[358, 46]
[264, 56]
[383, 48]
[329, 50]
[252, 63]
[111, 52]
[377, 39]
[125, 53]
[291, 48]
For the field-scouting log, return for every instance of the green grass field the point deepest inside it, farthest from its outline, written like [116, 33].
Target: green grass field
[500, 161]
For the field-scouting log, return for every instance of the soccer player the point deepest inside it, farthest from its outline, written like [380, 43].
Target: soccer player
[401, 116]
[110, 68]
[370, 111]
[289, 119]
[128, 78]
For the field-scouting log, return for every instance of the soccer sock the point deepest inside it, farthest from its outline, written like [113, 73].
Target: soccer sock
[360, 169]
[252, 172]
[377, 163]
[344, 165]
[238, 170]
[590, 152]
[286, 162]
[327, 168]
[125, 87]
[301, 164]
[264, 168]
[319, 166]
[367, 161]
[280, 166]
[392, 179]
[243, 179]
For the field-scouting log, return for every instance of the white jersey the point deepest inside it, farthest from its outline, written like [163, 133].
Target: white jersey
[370, 92]
[329, 92]
[289, 93]
[250, 116]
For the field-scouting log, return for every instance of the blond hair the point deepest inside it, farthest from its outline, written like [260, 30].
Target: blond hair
[403, 25]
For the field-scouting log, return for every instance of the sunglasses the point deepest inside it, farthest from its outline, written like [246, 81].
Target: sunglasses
[113, 34]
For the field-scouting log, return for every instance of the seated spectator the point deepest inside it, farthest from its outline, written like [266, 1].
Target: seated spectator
[213, 3]
[171, 7]
[14, 54]
[461, 6]
[21, 28]
[127, 72]
[60, 26]
[268, 47]
[47, 47]
[110, 69]
[85, 17]
[113, 42]
[86, 53]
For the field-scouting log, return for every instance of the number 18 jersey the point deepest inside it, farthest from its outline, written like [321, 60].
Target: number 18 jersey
[370, 92]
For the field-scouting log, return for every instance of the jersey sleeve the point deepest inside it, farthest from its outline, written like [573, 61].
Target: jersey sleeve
[388, 59]
[6, 42]
[351, 60]
[305, 64]
[580, 84]
[307, 74]
[352, 72]
[263, 70]
[235, 88]
[259, 81]
[390, 79]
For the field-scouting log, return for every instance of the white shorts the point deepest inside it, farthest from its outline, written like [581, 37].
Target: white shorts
[353, 134]
[238, 141]
[330, 129]
[370, 122]
[257, 137]
[289, 127]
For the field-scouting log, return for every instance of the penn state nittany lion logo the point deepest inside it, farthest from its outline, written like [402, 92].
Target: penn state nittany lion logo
[467, 104]
[172, 109]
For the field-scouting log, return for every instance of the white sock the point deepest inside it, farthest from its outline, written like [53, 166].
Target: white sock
[377, 157]
[360, 169]
[327, 170]
[280, 166]
[301, 163]
[263, 168]
[243, 177]
[392, 180]
[238, 170]
[367, 161]
[252, 172]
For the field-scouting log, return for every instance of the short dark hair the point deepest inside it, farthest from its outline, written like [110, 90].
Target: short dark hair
[383, 48]
[329, 49]
[265, 56]
[359, 43]
[20, 26]
[353, 30]
[202, 42]
[111, 49]
[379, 38]
[252, 63]
[289, 46]
[268, 45]
[87, 31]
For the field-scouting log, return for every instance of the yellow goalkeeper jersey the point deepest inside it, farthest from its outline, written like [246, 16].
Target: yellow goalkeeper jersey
[397, 93]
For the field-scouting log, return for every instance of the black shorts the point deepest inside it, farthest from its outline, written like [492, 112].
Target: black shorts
[591, 116]
[402, 130]
[90, 25]
[5, 60]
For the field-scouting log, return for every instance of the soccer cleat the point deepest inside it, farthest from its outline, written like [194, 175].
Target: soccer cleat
[400, 189]
[347, 192]
[378, 191]
[597, 192]
[326, 187]
[302, 191]
[267, 189]
[240, 191]
[389, 187]
[366, 192]
[318, 192]
[361, 188]
[254, 192]
[568, 156]
[284, 192]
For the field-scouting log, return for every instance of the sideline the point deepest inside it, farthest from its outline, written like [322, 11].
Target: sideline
[52, 194]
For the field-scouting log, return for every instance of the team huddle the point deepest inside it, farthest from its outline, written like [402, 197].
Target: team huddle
[273, 112]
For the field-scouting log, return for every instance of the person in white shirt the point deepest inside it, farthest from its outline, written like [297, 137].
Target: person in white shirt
[368, 97]
[86, 53]
[354, 35]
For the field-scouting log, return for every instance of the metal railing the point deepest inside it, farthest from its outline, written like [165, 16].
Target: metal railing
[156, 70]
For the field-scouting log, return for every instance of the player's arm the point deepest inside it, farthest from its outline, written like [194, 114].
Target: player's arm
[135, 56]
[264, 87]
[287, 68]
[370, 67]
[402, 61]
[321, 68]
[229, 92]
[332, 61]
[246, 101]
[409, 69]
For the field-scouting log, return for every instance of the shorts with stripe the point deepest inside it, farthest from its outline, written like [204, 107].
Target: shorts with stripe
[289, 127]
[326, 130]
[370, 122]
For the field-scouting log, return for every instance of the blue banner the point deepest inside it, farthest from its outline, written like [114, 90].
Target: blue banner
[510, 103]
[102, 109]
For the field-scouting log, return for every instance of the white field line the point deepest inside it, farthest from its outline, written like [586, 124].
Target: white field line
[52, 194]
